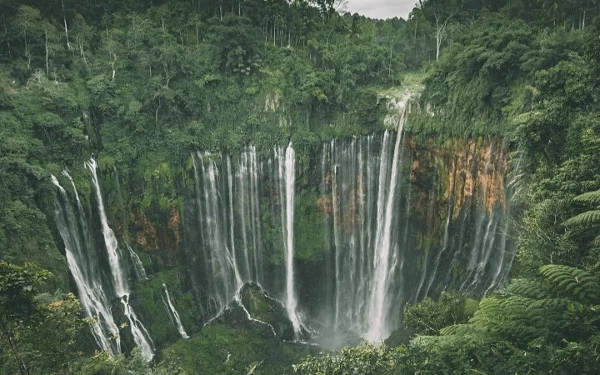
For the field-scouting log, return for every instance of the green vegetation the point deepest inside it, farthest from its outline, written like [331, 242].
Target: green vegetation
[143, 85]
[526, 71]
[363, 359]
[149, 302]
[228, 350]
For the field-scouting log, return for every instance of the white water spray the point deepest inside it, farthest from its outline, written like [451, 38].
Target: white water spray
[385, 260]
[138, 266]
[114, 256]
[139, 332]
[287, 183]
[174, 314]
[73, 230]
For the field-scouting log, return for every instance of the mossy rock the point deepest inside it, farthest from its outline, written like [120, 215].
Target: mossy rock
[253, 309]
[219, 349]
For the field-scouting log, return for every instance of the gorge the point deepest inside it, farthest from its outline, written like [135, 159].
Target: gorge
[391, 221]
[282, 187]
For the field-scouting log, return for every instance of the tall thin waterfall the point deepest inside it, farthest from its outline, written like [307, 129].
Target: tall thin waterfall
[84, 267]
[287, 182]
[120, 284]
[215, 231]
[140, 334]
[386, 258]
[248, 203]
[138, 266]
[173, 314]
[238, 278]
[114, 257]
[225, 241]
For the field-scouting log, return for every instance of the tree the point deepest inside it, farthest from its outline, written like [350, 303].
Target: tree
[29, 23]
[18, 286]
[587, 218]
[40, 333]
[440, 12]
[428, 316]
[365, 359]
[547, 324]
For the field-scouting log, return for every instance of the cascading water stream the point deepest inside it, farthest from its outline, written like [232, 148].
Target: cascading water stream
[512, 190]
[141, 337]
[377, 264]
[385, 260]
[238, 278]
[247, 195]
[227, 221]
[138, 266]
[173, 314]
[401, 223]
[336, 236]
[112, 248]
[120, 285]
[443, 250]
[73, 230]
[287, 182]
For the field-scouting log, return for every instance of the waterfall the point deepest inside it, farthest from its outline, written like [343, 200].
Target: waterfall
[385, 260]
[507, 254]
[362, 176]
[120, 285]
[393, 241]
[236, 271]
[287, 182]
[173, 314]
[225, 232]
[221, 255]
[114, 257]
[141, 337]
[73, 230]
[444, 248]
[401, 222]
[224, 240]
[138, 266]
[248, 210]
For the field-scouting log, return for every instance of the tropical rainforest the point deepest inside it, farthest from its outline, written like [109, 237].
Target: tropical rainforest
[282, 187]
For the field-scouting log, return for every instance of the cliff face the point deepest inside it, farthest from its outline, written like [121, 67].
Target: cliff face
[377, 222]
[465, 172]
[424, 216]
[165, 235]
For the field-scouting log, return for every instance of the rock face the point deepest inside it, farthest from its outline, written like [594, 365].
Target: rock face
[252, 307]
[376, 222]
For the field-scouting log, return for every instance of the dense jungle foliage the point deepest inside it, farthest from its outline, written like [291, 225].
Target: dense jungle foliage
[142, 85]
[154, 82]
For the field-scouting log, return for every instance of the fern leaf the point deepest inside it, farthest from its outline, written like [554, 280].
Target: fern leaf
[457, 329]
[586, 218]
[589, 197]
[577, 284]
[528, 288]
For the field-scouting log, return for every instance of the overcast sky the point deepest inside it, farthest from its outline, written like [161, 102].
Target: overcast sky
[381, 8]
